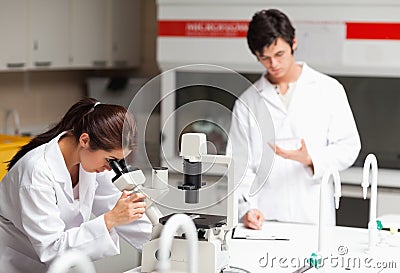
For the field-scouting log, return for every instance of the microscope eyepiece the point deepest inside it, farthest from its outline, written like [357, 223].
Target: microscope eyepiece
[117, 168]
[120, 167]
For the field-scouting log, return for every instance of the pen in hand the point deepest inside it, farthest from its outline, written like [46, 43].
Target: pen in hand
[251, 219]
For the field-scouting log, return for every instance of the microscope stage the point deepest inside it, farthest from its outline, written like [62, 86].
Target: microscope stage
[201, 221]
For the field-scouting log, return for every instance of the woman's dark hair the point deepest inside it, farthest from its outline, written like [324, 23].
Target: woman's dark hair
[265, 27]
[110, 127]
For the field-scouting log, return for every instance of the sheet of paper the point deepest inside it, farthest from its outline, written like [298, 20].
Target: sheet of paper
[241, 232]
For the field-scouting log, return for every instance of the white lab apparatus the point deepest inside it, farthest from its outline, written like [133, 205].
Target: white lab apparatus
[132, 179]
[215, 247]
[371, 163]
[322, 234]
[390, 222]
[159, 178]
[317, 258]
[215, 230]
[72, 258]
[170, 228]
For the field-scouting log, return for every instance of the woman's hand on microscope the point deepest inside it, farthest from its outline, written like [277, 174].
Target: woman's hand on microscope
[253, 219]
[128, 208]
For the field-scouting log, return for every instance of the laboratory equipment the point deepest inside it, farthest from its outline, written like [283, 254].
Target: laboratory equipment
[323, 205]
[390, 226]
[316, 258]
[72, 258]
[172, 225]
[16, 120]
[132, 179]
[371, 163]
[212, 230]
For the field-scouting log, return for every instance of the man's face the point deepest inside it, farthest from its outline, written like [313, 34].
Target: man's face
[277, 58]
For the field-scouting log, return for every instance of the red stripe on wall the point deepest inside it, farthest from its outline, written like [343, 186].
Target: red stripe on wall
[201, 28]
[234, 29]
[373, 31]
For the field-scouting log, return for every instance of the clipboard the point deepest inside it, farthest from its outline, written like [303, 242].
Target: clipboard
[241, 232]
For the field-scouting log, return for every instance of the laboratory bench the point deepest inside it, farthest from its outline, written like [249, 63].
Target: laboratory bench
[346, 250]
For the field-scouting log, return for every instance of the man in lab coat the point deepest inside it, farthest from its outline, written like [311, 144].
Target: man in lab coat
[312, 124]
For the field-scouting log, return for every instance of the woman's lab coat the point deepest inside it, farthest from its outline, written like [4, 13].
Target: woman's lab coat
[39, 218]
[319, 113]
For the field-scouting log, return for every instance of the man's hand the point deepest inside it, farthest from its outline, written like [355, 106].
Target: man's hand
[253, 219]
[301, 155]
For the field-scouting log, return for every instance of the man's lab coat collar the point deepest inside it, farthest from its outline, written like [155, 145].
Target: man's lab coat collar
[307, 76]
[267, 90]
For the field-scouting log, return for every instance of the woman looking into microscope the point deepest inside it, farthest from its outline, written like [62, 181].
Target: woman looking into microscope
[58, 180]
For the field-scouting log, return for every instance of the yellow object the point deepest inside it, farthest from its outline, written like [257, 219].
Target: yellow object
[9, 146]
[393, 230]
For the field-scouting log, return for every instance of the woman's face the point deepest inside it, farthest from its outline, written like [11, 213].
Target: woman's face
[96, 161]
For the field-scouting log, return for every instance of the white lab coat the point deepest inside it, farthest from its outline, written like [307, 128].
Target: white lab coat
[39, 218]
[320, 114]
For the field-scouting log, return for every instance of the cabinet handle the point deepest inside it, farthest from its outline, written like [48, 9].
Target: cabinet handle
[99, 63]
[15, 65]
[42, 64]
[121, 63]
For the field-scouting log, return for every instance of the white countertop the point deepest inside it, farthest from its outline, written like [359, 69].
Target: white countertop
[344, 244]
[346, 250]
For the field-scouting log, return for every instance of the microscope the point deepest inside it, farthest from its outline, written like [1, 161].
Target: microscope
[214, 231]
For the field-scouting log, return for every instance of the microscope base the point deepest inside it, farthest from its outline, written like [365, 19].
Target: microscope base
[211, 258]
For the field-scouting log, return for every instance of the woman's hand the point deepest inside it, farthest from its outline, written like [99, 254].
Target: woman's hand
[129, 208]
[253, 219]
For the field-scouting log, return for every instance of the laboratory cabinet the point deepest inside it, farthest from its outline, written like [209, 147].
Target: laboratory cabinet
[13, 33]
[125, 46]
[69, 34]
[89, 30]
[49, 33]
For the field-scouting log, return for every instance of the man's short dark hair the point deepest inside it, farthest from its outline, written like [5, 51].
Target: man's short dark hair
[265, 27]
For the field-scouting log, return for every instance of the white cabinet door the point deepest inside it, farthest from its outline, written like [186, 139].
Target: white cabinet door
[13, 33]
[49, 33]
[90, 33]
[125, 29]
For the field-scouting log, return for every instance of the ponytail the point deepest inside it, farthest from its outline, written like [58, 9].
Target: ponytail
[104, 123]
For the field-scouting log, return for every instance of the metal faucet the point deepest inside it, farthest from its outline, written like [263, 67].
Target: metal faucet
[322, 203]
[173, 224]
[71, 258]
[371, 164]
[15, 115]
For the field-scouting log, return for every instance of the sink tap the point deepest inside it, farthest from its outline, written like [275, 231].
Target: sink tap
[69, 259]
[322, 203]
[15, 115]
[371, 163]
[173, 224]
